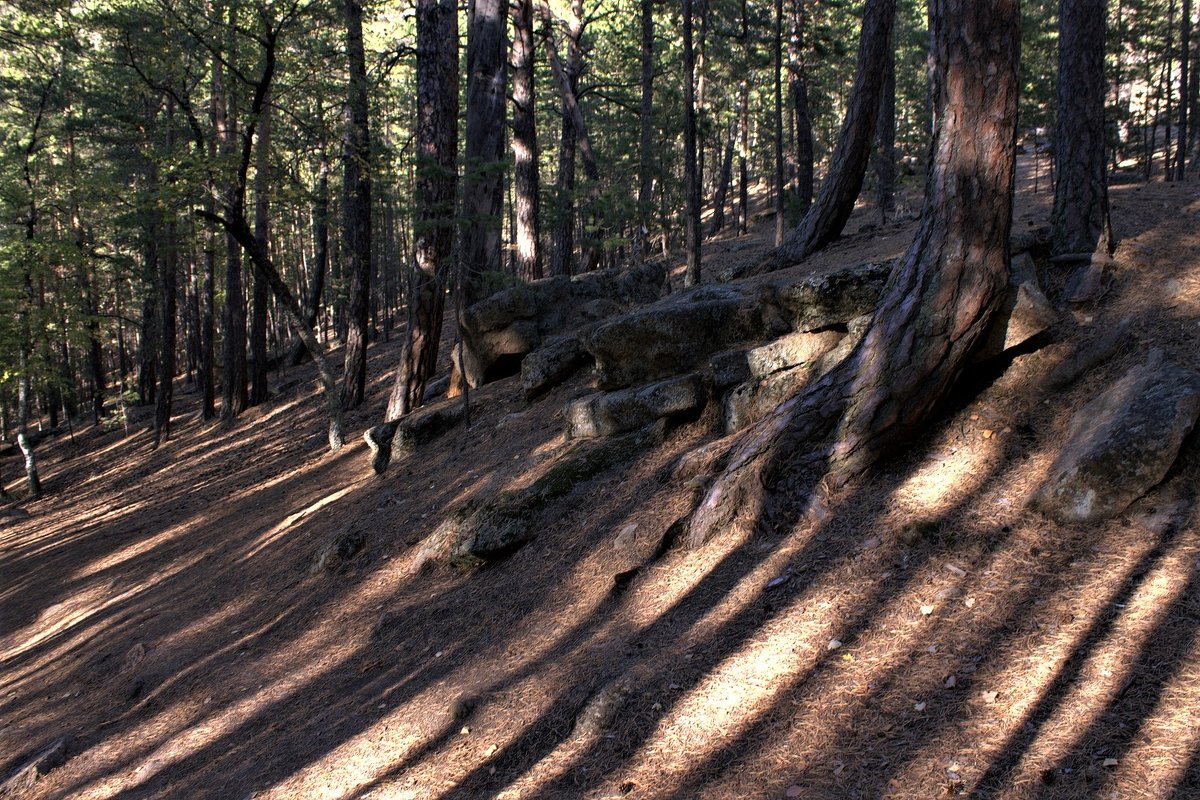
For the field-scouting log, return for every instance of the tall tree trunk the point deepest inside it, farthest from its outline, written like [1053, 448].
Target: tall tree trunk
[798, 90]
[938, 302]
[262, 235]
[356, 210]
[526, 182]
[234, 395]
[320, 259]
[1079, 221]
[691, 275]
[824, 221]
[777, 116]
[483, 175]
[148, 338]
[1168, 92]
[436, 145]
[743, 207]
[726, 177]
[1185, 54]
[885, 142]
[167, 287]
[641, 243]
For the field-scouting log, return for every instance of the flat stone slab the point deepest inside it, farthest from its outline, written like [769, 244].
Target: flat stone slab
[611, 413]
[1122, 443]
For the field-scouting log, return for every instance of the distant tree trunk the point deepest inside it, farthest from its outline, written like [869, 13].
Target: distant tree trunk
[1168, 92]
[320, 258]
[433, 226]
[262, 234]
[483, 184]
[691, 275]
[526, 183]
[234, 395]
[356, 210]
[798, 90]
[1185, 53]
[148, 338]
[641, 242]
[562, 253]
[726, 177]
[743, 207]
[938, 303]
[167, 287]
[780, 204]
[885, 142]
[824, 221]
[1079, 221]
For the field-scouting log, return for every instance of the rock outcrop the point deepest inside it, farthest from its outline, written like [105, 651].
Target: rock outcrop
[610, 413]
[1122, 443]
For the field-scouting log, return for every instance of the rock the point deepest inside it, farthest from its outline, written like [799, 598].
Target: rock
[1025, 313]
[498, 331]
[610, 413]
[792, 350]
[1036, 241]
[678, 334]
[1122, 443]
[483, 530]
[552, 363]
[820, 301]
[401, 437]
[436, 389]
[22, 781]
[753, 399]
[602, 709]
[1089, 282]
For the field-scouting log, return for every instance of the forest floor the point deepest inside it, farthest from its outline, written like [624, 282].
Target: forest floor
[925, 636]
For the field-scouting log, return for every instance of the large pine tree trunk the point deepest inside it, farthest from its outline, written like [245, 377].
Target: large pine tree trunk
[1079, 222]
[824, 221]
[885, 142]
[234, 394]
[1185, 35]
[777, 116]
[433, 231]
[356, 210]
[723, 181]
[798, 89]
[641, 237]
[526, 183]
[483, 185]
[262, 234]
[937, 304]
[691, 275]
[167, 286]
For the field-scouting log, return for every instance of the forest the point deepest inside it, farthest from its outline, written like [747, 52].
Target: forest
[599, 398]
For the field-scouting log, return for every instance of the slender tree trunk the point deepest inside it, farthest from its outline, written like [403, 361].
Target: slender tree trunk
[798, 89]
[938, 303]
[743, 207]
[436, 146]
[780, 204]
[562, 253]
[641, 243]
[723, 181]
[885, 142]
[526, 182]
[1079, 221]
[234, 395]
[262, 235]
[691, 275]
[824, 221]
[356, 210]
[1185, 33]
[148, 340]
[483, 176]
[167, 288]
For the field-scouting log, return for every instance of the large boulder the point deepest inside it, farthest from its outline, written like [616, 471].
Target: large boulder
[832, 298]
[679, 333]
[498, 331]
[552, 363]
[1122, 443]
[611, 413]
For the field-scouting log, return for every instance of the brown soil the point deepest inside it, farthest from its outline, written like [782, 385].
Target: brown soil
[919, 635]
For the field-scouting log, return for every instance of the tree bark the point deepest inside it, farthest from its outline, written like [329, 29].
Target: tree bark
[356, 209]
[262, 234]
[1079, 221]
[526, 181]
[885, 142]
[234, 395]
[483, 169]
[641, 236]
[777, 109]
[691, 275]
[798, 89]
[824, 221]
[743, 207]
[1185, 34]
[724, 180]
[939, 301]
[433, 225]
[167, 287]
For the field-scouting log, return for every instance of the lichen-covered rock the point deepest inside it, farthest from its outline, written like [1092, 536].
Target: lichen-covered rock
[486, 529]
[819, 301]
[552, 363]
[499, 330]
[1122, 443]
[611, 413]
[791, 350]
[679, 333]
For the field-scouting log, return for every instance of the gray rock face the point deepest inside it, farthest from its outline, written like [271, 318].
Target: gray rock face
[679, 333]
[792, 350]
[552, 363]
[501, 329]
[819, 301]
[611, 413]
[1122, 443]
[1026, 311]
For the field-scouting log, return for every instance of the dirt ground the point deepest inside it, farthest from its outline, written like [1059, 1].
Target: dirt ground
[920, 635]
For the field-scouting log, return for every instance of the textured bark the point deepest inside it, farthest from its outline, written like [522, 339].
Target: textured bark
[743, 207]
[262, 234]
[1079, 222]
[356, 210]
[798, 90]
[436, 146]
[526, 205]
[824, 221]
[723, 181]
[938, 302]
[562, 254]
[1185, 35]
[777, 116]
[234, 395]
[148, 329]
[885, 142]
[320, 259]
[167, 287]
[691, 275]
[483, 172]
[641, 235]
